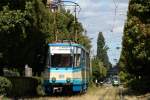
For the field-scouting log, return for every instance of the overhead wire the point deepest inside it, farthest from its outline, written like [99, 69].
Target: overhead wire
[75, 5]
[116, 4]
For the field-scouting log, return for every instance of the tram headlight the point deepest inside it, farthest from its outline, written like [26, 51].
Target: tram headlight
[53, 79]
[68, 80]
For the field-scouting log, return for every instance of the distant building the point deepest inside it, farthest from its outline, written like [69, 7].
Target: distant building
[50, 1]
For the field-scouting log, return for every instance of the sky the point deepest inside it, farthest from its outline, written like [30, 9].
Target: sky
[99, 16]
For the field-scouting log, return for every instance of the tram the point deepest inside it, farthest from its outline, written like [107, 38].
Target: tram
[68, 68]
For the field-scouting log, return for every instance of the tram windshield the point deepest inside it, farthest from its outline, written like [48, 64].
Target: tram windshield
[64, 56]
[115, 78]
[61, 60]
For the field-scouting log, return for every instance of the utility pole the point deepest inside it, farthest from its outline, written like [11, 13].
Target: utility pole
[75, 23]
[91, 58]
[54, 6]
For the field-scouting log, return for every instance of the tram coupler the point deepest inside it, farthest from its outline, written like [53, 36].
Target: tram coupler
[57, 89]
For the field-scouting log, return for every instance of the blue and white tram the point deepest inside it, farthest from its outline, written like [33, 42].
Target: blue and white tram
[67, 68]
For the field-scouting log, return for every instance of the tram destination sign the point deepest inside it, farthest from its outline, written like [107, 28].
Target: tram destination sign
[65, 50]
[60, 50]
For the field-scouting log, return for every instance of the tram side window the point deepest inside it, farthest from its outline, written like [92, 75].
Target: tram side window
[83, 58]
[87, 60]
[77, 60]
[61, 60]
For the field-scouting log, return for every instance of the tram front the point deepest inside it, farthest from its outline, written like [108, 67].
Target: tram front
[60, 62]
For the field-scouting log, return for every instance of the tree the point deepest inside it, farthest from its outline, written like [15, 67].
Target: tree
[26, 27]
[23, 33]
[135, 55]
[102, 50]
[98, 70]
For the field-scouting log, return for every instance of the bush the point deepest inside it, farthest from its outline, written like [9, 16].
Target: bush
[11, 72]
[140, 85]
[123, 76]
[40, 89]
[5, 85]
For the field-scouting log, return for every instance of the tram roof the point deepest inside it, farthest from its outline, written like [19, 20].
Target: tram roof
[67, 44]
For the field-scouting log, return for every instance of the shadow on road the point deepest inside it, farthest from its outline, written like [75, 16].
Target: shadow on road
[132, 93]
[68, 94]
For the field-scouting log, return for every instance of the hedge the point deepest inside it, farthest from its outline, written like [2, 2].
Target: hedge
[25, 86]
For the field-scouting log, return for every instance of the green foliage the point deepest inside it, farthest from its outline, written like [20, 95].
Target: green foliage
[136, 37]
[140, 85]
[101, 62]
[5, 85]
[85, 41]
[102, 50]
[103, 71]
[123, 76]
[98, 69]
[95, 68]
[10, 72]
[134, 59]
[27, 26]
[40, 89]
[22, 34]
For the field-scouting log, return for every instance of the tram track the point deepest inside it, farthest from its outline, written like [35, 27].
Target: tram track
[102, 97]
[111, 93]
[117, 97]
[95, 93]
[121, 96]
